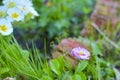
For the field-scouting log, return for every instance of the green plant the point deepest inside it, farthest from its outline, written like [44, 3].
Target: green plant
[17, 62]
[57, 17]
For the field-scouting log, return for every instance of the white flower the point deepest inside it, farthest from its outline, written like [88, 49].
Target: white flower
[26, 2]
[9, 78]
[3, 10]
[24, 8]
[28, 9]
[15, 14]
[5, 27]
[11, 3]
[24, 5]
[33, 12]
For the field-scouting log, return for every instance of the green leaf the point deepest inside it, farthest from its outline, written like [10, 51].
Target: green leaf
[76, 77]
[87, 10]
[66, 76]
[91, 69]
[95, 49]
[46, 78]
[4, 70]
[25, 54]
[55, 66]
[81, 66]
[83, 76]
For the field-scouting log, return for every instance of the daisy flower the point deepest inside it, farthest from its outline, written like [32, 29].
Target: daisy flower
[5, 27]
[80, 53]
[33, 12]
[25, 4]
[24, 8]
[15, 14]
[3, 11]
[29, 2]
[11, 3]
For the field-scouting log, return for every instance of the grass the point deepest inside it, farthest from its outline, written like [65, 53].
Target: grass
[28, 64]
[62, 20]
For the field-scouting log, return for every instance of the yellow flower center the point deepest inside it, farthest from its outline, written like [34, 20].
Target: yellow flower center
[15, 15]
[49, 4]
[28, 16]
[3, 28]
[23, 8]
[80, 53]
[1, 13]
[11, 4]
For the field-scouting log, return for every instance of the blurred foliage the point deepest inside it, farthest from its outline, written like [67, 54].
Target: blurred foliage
[56, 18]
[29, 65]
[60, 18]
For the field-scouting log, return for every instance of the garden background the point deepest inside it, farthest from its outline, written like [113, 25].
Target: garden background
[40, 48]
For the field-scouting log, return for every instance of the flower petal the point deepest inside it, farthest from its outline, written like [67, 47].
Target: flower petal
[80, 53]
